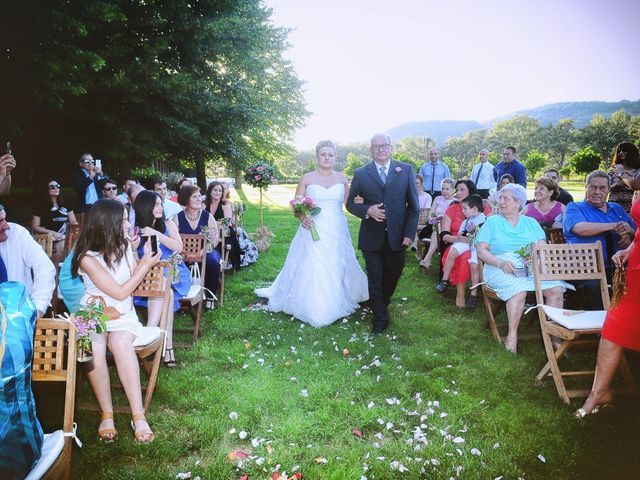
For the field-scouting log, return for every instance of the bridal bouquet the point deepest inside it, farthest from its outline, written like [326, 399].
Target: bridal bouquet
[306, 207]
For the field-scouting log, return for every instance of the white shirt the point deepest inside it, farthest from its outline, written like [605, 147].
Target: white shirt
[171, 209]
[22, 255]
[486, 180]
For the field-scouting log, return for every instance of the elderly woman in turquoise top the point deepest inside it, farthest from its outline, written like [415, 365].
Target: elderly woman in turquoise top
[496, 242]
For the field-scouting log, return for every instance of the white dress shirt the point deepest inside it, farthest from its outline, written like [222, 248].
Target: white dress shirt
[171, 209]
[27, 263]
[486, 180]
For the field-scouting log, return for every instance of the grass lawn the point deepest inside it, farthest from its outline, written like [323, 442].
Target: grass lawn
[436, 397]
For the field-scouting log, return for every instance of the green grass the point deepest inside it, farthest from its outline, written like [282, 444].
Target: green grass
[436, 360]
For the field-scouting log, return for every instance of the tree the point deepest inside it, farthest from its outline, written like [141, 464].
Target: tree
[585, 161]
[521, 132]
[559, 140]
[353, 162]
[535, 162]
[602, 134]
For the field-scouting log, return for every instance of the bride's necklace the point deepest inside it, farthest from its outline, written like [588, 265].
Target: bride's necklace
[193, 218]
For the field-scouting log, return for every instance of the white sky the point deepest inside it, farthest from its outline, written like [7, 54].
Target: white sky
[370, 65]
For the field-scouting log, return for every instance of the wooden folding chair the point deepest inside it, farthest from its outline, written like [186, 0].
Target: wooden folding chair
[225, 249]
[150, 346]
[71, 235]
[194, 252]
[581, 261]
[45, 240]
[54, 360]
[555, 235]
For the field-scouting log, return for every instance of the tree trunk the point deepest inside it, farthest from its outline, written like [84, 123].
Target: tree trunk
[237, 173]
[201, 177]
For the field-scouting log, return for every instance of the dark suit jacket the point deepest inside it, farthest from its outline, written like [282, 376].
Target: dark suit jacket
[400, 200]
[81, 182]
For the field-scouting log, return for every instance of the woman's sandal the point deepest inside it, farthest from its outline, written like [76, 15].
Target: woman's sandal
[145, 432]
[171, 361]
[107, 435]
[581, 412]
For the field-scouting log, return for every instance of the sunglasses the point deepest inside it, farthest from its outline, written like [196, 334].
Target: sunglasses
[54, 185]
[110, 188]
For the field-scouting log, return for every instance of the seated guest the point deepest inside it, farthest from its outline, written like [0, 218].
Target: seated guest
[132, 193]
[621, 328]
[185, 182]
[126, 184]
[190, 221]
[596, 220]
[217, 205]
[51, 216]
[109, 189]
[170, 208]
[104, 259]
[564, 197]
[23, 260]
[472, 208]
[424, 200]
[497, 242]
[625, 165]
[436, 212]
[150, 221]
[249, 252]
[495, 196]
[451, 223]
[545, 209]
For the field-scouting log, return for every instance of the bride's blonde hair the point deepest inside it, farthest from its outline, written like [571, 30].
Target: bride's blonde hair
[326, 143]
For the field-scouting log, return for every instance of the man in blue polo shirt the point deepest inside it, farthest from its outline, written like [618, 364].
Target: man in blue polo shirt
[596, 220]
[511, 165]
[433, 172]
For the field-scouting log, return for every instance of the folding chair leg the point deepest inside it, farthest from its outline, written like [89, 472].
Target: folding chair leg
[555, 369]
[491, 309]
[152, 379]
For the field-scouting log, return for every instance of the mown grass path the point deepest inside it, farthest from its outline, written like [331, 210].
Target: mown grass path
[436, 397]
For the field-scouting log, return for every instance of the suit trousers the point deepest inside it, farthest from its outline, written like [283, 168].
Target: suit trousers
[384, 268]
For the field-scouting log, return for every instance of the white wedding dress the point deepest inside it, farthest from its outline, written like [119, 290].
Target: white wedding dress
[321, 281]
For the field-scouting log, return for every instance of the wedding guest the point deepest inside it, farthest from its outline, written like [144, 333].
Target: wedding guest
[482, 175]
[621, 328]
[150, 220]
[190, 221]
[596, 220]
[497, 242]
[545, 209]
[216, 204]
[625, 165]
[433, 172]
[51, 216]
[109, 189]
[184, 182]
[564, 197]
[104, 259]
[511, 165]
[23, 260]
[170, 208]
[472, 208]
[495, 196]
[424, 200]
[450, 227]
[249, 252]
[87, 183]
[127, 183]
[436, 213]
[7, 164]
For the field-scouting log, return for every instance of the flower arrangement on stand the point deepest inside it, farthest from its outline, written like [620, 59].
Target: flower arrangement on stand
[261, 175]
[88, 319]
[526, 256]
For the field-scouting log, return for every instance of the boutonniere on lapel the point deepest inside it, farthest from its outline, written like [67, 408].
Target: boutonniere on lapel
[398, 169]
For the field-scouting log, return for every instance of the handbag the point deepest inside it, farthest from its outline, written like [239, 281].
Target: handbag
[196, 278]
[112, 313]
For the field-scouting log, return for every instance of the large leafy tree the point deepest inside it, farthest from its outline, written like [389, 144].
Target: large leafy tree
[521, 132]
[559, 140]
[142, 82]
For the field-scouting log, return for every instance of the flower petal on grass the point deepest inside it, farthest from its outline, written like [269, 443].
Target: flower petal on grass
[542, 459]
[321, 460]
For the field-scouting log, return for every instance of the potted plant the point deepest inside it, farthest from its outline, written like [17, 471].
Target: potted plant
[87, 319]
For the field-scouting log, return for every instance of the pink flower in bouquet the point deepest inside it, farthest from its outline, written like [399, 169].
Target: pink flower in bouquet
[307, 207]
[258, 177]
[259, 168]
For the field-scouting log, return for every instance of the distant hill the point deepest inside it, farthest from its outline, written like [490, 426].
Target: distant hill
[580, 112]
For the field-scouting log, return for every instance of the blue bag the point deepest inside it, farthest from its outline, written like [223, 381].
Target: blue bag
[72, 288]
[20, 432]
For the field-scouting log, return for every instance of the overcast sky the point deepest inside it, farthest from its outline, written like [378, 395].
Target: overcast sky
[370, 65]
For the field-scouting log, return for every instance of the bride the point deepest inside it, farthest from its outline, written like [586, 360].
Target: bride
[321, 281]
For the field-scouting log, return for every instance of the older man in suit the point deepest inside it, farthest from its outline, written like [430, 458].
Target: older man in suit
[389, 213]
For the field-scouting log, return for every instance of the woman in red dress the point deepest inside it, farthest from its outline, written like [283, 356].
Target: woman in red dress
[621, 328]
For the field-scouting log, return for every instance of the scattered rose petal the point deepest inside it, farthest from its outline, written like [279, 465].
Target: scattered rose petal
[476, 452]
[232, 431]
[183, 475]
[371, 405]
[357, 432]
[542, 459]
[269, 449]
[345, 351]
[458, 440]
[321, 460]
[242, 435]
[304, 393]
[233, 416]
[496, 445]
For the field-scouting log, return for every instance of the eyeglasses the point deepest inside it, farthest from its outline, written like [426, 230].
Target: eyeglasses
[383, 146]
[113, 189]
[54, 185]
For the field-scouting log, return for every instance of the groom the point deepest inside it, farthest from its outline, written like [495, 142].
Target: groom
[389, 220]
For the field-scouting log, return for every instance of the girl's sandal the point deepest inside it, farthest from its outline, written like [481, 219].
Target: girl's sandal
[145, 432]
[107, 435]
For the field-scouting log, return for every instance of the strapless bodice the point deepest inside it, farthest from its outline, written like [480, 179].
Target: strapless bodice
[328, 199]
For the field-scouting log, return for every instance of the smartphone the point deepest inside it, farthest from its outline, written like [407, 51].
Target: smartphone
[154, 244]
[98, 163]
[8, 148]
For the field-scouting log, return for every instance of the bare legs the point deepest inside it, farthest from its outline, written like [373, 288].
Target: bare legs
[154, 312]
[433, 245]
[609, 356]
[121, 345]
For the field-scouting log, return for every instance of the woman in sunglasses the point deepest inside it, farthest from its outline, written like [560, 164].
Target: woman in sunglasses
[51, 216]
[624, 168]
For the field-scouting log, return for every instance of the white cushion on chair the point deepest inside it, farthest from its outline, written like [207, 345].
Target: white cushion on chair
[148, 335]
[51, 450]
[576, 319]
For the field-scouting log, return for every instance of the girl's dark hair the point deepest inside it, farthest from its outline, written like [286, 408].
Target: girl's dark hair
[144, 205]
[101, 232]
[508, 176]
[207, 198]
[470, 185]
[632, 159]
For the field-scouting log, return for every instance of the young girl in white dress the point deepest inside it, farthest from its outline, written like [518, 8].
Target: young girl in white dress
[321, 281]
